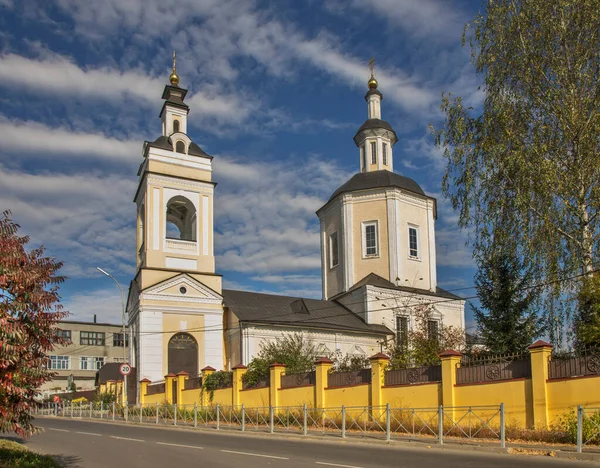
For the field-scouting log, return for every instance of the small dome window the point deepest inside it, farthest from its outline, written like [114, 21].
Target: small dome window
[180, 147]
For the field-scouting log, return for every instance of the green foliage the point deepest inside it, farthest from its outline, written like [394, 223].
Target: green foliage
[507, 320]
[348, 362]
[567, 424]
[216, 380]
[292, 350]
[29, 313]
[587, 320]
[14, 455]
[423, 347]
[527, 166]
[105, 397]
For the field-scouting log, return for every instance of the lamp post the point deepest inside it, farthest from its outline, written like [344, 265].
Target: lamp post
[123, 328]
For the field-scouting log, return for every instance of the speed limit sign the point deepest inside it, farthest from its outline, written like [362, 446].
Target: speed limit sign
[125, 369]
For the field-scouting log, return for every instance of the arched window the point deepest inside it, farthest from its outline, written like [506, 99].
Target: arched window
[175, 126]
[181, 219]
[183, 354]
[180, 147]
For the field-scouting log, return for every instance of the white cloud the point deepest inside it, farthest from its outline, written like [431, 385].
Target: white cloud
[104, 304]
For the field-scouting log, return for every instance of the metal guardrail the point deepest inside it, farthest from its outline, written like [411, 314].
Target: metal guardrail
[588, 426]
[436, 424]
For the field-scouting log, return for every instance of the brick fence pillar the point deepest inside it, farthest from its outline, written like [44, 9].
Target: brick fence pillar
[275, 371]
[379, 363]
[540, 353]
[322, 368]
[238, 373]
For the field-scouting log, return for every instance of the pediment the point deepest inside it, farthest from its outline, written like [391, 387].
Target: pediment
[182, 288]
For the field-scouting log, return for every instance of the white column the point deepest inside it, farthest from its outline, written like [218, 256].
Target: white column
[398, 234]
[348, 250]
[150, 345]
[379, 153]
[154, 223]
[432, 254]
[324, 265]
[392, 240]
[213, 340]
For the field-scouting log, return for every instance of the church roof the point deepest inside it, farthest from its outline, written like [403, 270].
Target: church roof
[375, 280]
[377, 179]
[164, 142]
[288, 311]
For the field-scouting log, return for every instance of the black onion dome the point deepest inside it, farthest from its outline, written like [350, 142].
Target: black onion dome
[372, 124]
[377, 179]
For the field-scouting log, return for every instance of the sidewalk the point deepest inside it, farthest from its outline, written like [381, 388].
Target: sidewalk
[518, 448]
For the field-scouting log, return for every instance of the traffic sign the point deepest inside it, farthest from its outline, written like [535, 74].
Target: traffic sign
[125, 369]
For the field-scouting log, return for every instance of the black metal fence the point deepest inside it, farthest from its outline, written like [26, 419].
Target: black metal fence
[260, 384]
[298, 380]
[576, 364]
[193, 383]
[413, 375]
[343, 379]
[493, 368]
[155, 388]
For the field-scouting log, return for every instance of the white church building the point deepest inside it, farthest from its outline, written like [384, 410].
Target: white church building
[378, 259]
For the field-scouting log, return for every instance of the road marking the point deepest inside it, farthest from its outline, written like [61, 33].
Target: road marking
[88, 433]
[255, 454]
[179, 445]
[127, 438]
[57, 430]
[335, 464]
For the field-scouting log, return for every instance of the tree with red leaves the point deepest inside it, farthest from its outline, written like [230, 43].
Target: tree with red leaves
[29, 314]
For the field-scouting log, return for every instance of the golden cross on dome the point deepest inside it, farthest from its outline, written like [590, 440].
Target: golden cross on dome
[174, 62]
[174, 78]
[372, 66]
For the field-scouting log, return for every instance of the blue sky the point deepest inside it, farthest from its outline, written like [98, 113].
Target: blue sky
[276, 94]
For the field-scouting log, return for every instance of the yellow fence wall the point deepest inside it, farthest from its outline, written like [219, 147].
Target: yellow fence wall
[531, 402]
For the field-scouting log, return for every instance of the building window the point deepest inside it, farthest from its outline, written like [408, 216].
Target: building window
[118, 339]
[90, 363]
[413, 242]
[180, 147]
[384, 154]
[175, 126]
[370, 247]
[402, 331]
[64, 334]
[373, 153]
[334, 256]
[60, 362]
[364, 157]
[181, 219]
[433, 330]
[92, 338]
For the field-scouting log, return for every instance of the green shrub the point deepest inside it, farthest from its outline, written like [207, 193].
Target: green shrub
[216, 380]
[567, 423]
[14, 455]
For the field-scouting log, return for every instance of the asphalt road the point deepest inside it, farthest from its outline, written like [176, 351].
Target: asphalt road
[92, 444]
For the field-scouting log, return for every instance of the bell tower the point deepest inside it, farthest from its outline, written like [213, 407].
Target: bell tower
[176, 294]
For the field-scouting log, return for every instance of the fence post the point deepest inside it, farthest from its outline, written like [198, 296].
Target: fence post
[275, 371]
[502, 427]
[101, 410]
[238, 373]
[450, 361]
[157, 413]
[143, 390]
[304, 420]
[204, 396]
[113, 411]
[71, 405]
[579, 429]
[218, 415]
[271, 420]
[126, 411]
[90, 410]
[388, 422]
[195, 415]
[379, 362]
[243, 418]
[441, 425]
[322, 368]
[175, 413]
[540, 353]
[169, 379]
[343, 422]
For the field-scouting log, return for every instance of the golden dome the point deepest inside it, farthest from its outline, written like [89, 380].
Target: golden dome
[372, 83]
[174, 78]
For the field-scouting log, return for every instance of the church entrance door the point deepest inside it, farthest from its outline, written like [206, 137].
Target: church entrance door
[183, 354]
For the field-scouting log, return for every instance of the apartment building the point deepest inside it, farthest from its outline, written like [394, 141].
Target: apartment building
[90, 346]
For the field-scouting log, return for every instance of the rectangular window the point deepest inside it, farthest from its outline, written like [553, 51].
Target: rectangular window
[118, 340]
[413, 242]
[370, 247]
[334, 256]
[364, 157]
[90, 363]
[373, 153]
[60, 362]
[92, 338]
[64, 334]
[433, 330]
[384, 154]
[401, 330]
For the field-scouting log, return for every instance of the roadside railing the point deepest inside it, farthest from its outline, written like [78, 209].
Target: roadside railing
[435, 425]
[588, 427]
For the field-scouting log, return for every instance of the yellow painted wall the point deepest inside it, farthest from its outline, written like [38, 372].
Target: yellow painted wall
[413, 396]
[159, 398]
[565, 395]
[222, 396]
[297, 396]
[370, 210]
[256, 397]
[358, 395]
[515, 394]
[335, 276]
